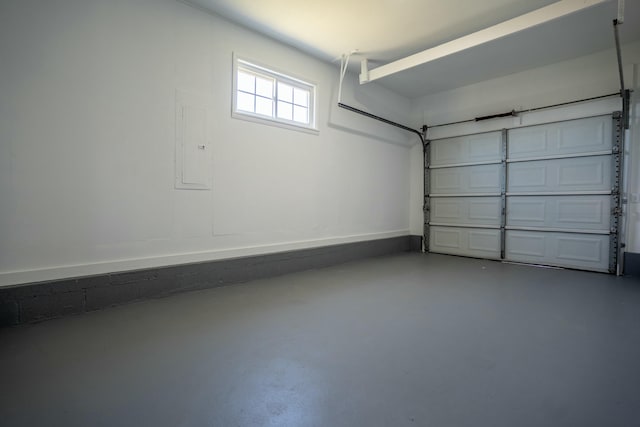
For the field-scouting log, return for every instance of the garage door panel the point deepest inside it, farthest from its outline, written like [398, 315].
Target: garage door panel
[561, 175]
[586, 251]
[484, 179]
[466, 149]
[485, 210]
[591, 212]
[560, 212]
[446, 239]
[526, 211]
[525, 246]
[581, 248]
[467, 179]
[527, 177]
[586, 174]
[481, 243]
[564, 138]
[487, 241]
[466, 210]
[446, 181]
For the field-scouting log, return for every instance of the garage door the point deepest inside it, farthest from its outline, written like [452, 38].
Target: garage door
[465, 195]
[543, 194]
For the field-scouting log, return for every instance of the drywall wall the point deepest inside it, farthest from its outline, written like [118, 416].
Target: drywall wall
[632, 209]
[87, 155]
[579, 78]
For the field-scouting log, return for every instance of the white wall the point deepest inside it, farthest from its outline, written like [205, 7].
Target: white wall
[584, 77]
[87, 133]
[632, 210]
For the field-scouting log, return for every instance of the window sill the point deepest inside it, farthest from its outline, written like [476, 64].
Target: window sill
[270, 122]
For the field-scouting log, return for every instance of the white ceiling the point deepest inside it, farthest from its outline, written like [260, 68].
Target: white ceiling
[386, 30]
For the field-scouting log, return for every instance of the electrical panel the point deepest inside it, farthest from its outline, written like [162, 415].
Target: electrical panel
[193, 147]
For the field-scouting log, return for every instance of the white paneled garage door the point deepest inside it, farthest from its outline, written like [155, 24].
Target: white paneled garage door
[465, 197]
[543, 194]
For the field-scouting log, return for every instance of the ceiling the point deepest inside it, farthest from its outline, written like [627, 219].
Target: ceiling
[386, 30]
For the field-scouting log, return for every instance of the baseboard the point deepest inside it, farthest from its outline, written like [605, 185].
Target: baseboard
[631, 264]
[60, 272]
[415, 244]
[45, 300]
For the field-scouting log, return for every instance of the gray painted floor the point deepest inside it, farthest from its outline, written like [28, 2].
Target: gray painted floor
[405, 340]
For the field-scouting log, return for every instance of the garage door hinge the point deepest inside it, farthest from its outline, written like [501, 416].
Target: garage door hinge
[616, 211]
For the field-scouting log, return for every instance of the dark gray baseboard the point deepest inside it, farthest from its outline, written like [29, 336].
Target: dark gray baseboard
[415, 244]
[46, 300]
[631, 264]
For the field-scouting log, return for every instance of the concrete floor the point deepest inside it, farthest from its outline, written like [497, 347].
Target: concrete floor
[406, 340]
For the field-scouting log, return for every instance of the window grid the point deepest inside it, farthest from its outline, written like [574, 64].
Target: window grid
[272, 96]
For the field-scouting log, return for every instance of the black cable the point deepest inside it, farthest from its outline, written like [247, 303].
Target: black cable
[381, 119]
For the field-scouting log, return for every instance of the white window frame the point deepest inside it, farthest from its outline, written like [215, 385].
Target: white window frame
[267, 72]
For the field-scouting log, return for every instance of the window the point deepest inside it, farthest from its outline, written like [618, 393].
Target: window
[265, 95]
